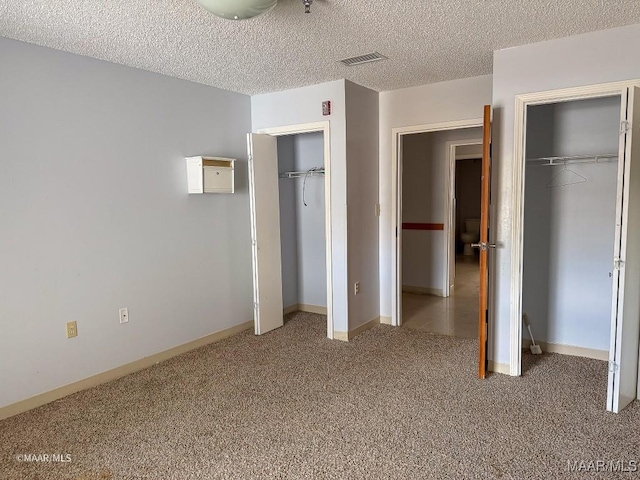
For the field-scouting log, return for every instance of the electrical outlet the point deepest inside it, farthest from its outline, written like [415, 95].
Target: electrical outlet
[356, 288]
[124, 315]
[72, 329]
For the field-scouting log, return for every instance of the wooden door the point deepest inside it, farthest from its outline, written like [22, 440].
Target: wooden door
[265, 232]
[625, 324]
[483, 245]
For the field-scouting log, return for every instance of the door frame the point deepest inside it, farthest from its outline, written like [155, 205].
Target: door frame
[323, 127]
[517, 193]
[396, 202]
[449, 208]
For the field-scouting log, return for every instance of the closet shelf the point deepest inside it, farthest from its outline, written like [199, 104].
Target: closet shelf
[305, 173]
[550, 161]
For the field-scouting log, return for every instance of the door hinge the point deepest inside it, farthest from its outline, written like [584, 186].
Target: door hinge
[396, 231]
[618, 264]
[625, 126]
[613, 367]
[253, 242]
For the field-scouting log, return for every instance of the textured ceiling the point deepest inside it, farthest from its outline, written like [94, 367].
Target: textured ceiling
[426, 40]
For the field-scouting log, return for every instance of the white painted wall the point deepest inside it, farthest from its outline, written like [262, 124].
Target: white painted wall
[95, 216]
[428, 104]
[304, 105]
[569, 231]
[597, 57]
[362, 195]
[425, 159]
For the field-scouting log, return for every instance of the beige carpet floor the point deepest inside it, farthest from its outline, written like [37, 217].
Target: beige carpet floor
[393, 404]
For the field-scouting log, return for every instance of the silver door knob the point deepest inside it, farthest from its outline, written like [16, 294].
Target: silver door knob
[483, 245]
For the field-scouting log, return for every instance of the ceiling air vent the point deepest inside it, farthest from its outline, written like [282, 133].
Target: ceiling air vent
[369, 57]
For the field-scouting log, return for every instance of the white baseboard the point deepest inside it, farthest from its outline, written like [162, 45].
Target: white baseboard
[499, 367]
[109, 375]
[312, 309]
[422, 290]
[290, 309]
[301, 307]
[385, 320]
[346, 336]
[568, 350]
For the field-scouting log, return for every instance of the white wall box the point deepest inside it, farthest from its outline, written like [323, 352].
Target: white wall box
[210, 174]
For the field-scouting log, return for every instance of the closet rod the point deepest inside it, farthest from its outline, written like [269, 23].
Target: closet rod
[551, 161]
[306, 173]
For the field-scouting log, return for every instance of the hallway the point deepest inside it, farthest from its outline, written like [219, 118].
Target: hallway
[456, 315]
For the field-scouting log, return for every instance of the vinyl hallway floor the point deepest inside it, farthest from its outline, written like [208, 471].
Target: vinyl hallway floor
[456, 315]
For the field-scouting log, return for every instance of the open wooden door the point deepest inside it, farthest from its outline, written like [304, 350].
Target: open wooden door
[265, 232]
[483, 245]
[625, 324]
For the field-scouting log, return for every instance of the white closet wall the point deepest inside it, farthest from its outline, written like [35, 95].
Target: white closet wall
[302, 228]
[569, 230]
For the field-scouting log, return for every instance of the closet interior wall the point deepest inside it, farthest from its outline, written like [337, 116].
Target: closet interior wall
[569, 222]
[302, 228]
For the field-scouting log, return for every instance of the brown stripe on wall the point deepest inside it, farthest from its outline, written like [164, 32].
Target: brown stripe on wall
[423, 226]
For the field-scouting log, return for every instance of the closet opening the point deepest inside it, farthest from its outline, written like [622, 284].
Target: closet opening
[291, 225]
[571, 179]
[301, 186]
[575, 253]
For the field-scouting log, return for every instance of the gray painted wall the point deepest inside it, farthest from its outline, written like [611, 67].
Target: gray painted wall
[597, 57]
[424, 175]
[569, 230]
[95, 216]
[302, 228]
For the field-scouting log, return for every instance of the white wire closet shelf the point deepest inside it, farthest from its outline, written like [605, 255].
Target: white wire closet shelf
[572, 159]
[313, 172]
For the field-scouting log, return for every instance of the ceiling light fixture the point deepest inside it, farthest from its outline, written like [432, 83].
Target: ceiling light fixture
[243, 9]
[238, 9]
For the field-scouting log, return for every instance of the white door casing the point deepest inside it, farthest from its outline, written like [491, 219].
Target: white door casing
[397, 134]
[325, 128]
[523, 101]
